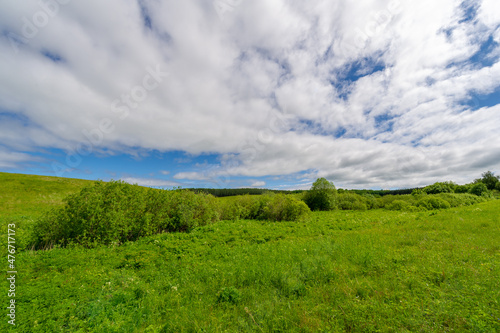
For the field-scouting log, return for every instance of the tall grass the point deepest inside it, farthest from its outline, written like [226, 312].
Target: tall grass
[339, 271]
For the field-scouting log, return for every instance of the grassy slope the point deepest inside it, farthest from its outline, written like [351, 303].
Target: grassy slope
[339, 271]
[25, 197]
[30, 194]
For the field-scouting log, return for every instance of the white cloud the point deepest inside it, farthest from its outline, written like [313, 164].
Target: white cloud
[9, 159]
[267, 86]
[151, 182]
[258, 184]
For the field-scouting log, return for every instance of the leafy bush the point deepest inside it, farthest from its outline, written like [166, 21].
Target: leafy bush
[463, 188]
[283, 207]
[461, 199]
[398, 205]
[371, 201]
[277, 207]
[489, 179]
[186, 210]
[119, 212]
[243, 207]
[440, 187]
[478, 189]
[433, 202]
[351, 201]
[387, 200]
[321, 196]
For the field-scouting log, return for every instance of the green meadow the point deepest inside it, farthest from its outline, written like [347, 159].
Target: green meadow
[376, 270]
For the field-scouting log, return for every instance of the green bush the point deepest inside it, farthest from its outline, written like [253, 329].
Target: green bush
[411, 199]
[187, 210]
[460, 199]
[418, 192]
[478, 189]
[277, 207]
[371, 201]
[398, 205]
[489, 179]
[351, 201]
[117, 212]
[321, 196]
[243, 207]
[281, 207]
[440, 187]
[433, 202]
[463, 188]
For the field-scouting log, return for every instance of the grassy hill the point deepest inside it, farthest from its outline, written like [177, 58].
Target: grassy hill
[30, 194]
[24, 198]
[354, 271]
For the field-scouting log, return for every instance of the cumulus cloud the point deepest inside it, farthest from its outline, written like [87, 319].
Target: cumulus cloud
[151, 182]
[9, 159]
[258, 184]
[381, 93]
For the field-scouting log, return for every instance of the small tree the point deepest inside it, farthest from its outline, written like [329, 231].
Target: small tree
[440, 187]
[321, 196]
[478, 189]
[489, 179]
[463, 188]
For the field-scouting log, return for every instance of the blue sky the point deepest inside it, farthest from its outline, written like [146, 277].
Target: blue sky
[273, 94]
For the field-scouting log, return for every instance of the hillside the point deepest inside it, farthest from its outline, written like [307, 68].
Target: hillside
[31, 194]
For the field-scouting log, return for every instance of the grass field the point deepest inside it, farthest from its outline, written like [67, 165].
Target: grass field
[340, 271]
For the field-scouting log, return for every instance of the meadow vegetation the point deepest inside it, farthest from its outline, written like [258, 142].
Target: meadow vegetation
[114, 257]
[117, 212]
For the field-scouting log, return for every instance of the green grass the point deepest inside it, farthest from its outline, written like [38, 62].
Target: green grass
[354, 271]
[30, 194]
[24, 198]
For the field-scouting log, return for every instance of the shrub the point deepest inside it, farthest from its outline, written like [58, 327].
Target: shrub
[101, 212]
[321, 196]
[463, 199]
[281, 207]
[440, 187]
[418, 192]
[433, 202]
[489, 179]
[244, 207]
[351, 201]
[277, 207]
[119, 212]
[398, 205]
[463, 188]
[229, 210]
[387, 200]
[371, 201]
[478, 189]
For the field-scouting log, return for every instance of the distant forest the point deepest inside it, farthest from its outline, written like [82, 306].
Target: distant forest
[227, 192]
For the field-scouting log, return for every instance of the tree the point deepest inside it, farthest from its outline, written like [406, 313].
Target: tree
[489, 179]
[321, 196]
[440, 187]
[478, 189]
[463, 188]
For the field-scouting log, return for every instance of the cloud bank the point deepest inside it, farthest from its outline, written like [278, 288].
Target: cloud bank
[366, 93]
